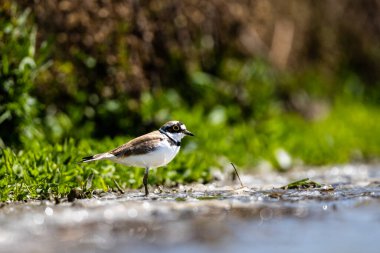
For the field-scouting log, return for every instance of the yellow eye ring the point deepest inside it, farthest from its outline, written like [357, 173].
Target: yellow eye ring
[175, 128]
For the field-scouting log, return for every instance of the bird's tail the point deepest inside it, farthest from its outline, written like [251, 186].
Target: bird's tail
[96, 157]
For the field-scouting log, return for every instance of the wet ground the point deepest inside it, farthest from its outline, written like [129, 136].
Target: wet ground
[342, 215]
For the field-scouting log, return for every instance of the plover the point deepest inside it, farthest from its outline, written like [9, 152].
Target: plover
[151, 150]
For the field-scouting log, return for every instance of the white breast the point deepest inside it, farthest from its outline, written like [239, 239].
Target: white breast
[161, 156]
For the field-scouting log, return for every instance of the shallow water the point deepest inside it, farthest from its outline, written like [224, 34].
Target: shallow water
[219, 217]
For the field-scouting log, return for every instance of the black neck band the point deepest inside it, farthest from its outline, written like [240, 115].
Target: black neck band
[177, 143]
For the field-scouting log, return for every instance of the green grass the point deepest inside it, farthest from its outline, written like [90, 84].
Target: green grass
[305, 183]
[45, 171]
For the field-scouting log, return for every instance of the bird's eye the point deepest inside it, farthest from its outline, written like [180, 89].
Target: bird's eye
[175, 128]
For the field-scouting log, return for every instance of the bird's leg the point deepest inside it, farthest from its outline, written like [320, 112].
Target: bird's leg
[145, 181]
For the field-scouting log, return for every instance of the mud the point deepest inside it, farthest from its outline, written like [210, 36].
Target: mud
[340, 215]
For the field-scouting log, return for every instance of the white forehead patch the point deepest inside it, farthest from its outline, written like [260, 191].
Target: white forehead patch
[183, 127]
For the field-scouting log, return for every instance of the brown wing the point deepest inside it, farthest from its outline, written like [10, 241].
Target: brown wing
[140, 145]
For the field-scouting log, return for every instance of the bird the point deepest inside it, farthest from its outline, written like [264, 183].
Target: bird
[151, 150]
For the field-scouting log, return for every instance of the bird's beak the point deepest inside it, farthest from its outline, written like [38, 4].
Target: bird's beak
[187, 132]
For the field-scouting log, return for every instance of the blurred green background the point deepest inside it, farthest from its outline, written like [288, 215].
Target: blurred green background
[265, 84]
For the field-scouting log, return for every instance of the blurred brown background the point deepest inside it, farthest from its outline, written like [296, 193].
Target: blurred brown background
[138, 45]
